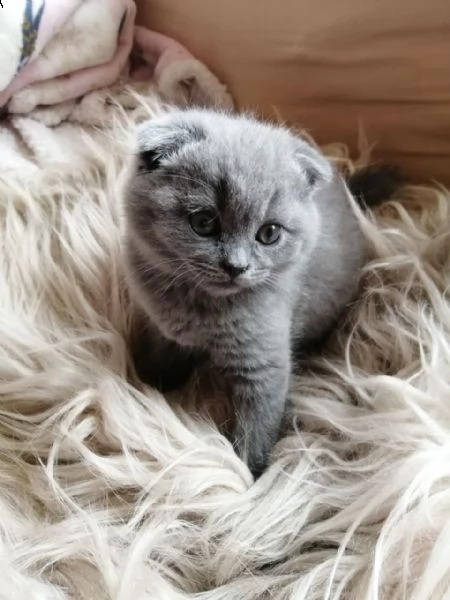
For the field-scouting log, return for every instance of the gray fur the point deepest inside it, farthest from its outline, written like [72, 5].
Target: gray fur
[288, 293]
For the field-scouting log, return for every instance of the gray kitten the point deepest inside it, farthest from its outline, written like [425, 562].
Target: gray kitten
[241, 244]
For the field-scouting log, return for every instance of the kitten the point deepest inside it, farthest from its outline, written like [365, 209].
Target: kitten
[241, 244]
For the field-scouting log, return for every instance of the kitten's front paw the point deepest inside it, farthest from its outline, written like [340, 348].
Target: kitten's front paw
[257, 459]
[258, 469]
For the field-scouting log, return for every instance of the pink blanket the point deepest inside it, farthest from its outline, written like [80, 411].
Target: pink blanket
[58, 51]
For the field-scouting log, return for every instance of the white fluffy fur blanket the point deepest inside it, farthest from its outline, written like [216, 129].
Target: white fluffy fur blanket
[107, 491]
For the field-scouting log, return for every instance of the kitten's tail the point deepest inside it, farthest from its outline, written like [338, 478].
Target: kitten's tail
[375, 184]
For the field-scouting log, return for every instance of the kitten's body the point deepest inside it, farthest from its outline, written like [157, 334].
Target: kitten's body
[290, 292]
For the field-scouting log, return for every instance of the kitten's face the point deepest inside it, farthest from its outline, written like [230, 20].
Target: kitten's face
[223, 203]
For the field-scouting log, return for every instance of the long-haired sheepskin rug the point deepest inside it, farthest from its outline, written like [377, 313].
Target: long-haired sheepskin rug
[109, 491]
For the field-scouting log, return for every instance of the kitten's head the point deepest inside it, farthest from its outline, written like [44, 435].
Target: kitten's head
[223, 203]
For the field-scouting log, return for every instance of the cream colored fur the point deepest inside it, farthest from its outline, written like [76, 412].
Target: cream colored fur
[107, 491]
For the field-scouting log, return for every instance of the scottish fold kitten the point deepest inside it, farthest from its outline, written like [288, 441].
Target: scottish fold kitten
[241, 245]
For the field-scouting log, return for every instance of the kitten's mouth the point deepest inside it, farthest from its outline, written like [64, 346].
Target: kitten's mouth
[218, 284]
[224, 287]
[228, 287]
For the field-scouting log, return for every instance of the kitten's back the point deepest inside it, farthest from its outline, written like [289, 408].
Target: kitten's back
[333, 278]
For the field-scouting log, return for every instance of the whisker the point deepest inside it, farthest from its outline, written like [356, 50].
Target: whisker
[176, 276]
[149, 267]
[197, 283]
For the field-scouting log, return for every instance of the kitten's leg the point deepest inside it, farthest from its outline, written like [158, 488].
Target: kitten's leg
[259, 396]
[162, 363]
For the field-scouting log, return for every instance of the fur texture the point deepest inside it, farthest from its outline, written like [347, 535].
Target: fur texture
[109, 492]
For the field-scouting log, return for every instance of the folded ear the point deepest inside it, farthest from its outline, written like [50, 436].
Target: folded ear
[316, 168]
[160, 137]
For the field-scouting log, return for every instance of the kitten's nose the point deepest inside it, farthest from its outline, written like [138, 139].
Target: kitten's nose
[234, 269]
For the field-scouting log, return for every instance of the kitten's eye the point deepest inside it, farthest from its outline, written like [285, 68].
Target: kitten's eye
[204, 223]
[269, 234]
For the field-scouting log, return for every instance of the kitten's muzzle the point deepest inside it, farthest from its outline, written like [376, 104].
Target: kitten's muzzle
[234, 269]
